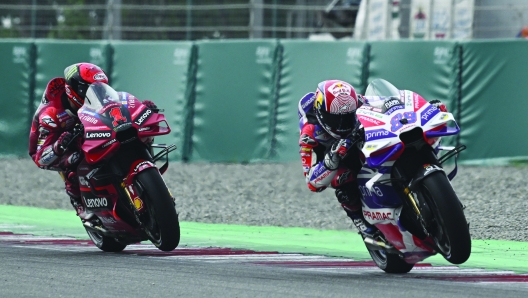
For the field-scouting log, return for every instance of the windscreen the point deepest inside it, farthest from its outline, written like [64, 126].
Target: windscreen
[382, 88]
[99, 95]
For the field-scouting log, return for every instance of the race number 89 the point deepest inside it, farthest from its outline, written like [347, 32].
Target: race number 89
[396, 123]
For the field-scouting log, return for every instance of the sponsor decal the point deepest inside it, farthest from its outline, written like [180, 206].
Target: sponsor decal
[87, 112]
[97, 135]
[144, 164]
[371, 147]
[343, 102]
[395, 108]
[306, 139]
[96, 202]
[429, 168]
[429, 113]
[118, 117]
[49, 121]
[324, 175]
[343, 177]
[306, 149]
[55, 87]
[263, 55]
[390, 103]
[107, 220]
[377, 134]
[138, 203]
[146, 114]
[89, 119]
[144, 128]
[47, 157]
[376, 191]
[122, 126]
[100, 77]
[131, 102]
[417, 100]
[74, 158]
[83, 181]
[308, 102]
[378, 215]
[369, 122]
[108, 143]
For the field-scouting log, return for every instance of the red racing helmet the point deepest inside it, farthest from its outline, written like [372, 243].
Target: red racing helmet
[78, 77]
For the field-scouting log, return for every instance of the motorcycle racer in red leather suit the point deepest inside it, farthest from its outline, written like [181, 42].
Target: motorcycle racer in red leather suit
[50, 138]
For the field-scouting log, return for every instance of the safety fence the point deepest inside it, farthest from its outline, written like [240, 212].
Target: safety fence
[236, 100]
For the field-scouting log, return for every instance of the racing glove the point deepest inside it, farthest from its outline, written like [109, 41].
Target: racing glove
[440, 105]
[150, 104]
[337, 152]
[61, 145]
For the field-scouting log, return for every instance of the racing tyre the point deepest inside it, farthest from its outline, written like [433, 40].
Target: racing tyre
[448, 227]
[162, 225]
[105, 243]
[389, 263]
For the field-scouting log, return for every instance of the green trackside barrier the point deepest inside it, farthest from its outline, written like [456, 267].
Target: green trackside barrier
[430, 68]
[158, 71]
[16, 60]
[233, 101]
[303, 65]
[494, 101]
[53, 56]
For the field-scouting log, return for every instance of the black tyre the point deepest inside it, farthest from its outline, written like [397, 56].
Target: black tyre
[449, 228]
[105, 243]
[389, 263]
[162, 225]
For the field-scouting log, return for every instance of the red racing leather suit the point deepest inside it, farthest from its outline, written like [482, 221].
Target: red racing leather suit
[53, 117]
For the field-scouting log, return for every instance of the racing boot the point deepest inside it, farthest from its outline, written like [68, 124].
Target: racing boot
[350, 200]
[73, 190]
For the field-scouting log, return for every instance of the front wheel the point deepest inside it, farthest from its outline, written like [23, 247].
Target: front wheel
[105, 243]
[161, 225]
[448, 227]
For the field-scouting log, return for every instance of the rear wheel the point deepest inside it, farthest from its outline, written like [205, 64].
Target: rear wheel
[389, 263]
[162, 225]
[448, 227]
[105, 243]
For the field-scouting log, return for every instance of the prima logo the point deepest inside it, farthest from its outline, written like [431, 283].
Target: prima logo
[376, 134]
[429, 112]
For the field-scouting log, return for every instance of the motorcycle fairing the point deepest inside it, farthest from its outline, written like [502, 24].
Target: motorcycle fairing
[384, 126]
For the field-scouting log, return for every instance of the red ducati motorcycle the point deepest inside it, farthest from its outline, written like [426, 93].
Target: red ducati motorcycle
[124, 194]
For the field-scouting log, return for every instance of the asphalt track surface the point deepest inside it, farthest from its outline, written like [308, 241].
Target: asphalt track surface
[45, 253]
[61, 267]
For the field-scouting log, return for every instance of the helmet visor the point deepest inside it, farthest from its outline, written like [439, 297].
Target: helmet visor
[339, 124]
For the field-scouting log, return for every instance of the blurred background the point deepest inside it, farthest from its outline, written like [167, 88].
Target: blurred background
[230, 73]
[226, 19]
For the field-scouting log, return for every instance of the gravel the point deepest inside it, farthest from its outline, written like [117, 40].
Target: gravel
[276, 195]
